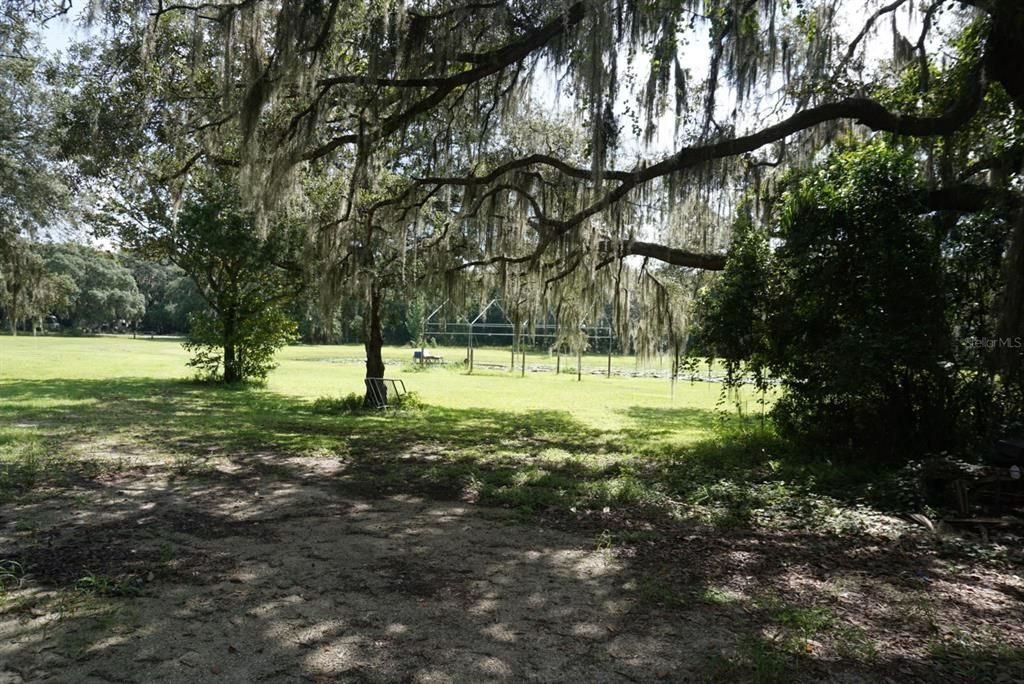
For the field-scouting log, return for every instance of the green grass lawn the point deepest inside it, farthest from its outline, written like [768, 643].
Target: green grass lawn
[308, 372]
[673, 478]
[544, 440]
[78, 406]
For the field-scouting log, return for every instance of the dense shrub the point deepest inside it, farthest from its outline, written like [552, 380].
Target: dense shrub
[844, 298]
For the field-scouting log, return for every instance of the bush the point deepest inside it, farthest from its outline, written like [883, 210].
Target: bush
[848, 309]
[356, 403]
[350, 403]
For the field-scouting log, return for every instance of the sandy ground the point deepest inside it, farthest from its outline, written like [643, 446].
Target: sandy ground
[278, 574]
[235, 578]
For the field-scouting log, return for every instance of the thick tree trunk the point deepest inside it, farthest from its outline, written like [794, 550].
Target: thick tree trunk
[1009, 356]
[376, 391]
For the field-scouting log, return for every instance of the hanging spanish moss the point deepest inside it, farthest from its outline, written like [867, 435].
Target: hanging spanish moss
[417, 143]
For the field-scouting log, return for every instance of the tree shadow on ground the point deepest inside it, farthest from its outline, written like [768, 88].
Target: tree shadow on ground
[533, 460]
[240, 536]
[231, 574]
[653, 422]
[173, 407]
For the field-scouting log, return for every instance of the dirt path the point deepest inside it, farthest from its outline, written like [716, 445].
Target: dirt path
[241, 579]
[262, 569]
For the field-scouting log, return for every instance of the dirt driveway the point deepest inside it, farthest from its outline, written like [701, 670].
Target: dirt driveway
[234, 577]
[259, 569]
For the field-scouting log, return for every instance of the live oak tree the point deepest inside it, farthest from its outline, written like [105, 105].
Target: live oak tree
[102, 291]
[22, 275]
[279, 90]
[33, 196]
[20, 267]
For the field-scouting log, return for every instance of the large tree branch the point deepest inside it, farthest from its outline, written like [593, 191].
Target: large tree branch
[663, 253]
[524, 162]
[490, 64]
[864, 111]
[961, 198]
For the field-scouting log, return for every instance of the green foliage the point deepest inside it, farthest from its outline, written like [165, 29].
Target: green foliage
[249, 277]
[21, 268]
[849, 311]
[256, 338]
[858, 331]
[170, 294]
[33, 194]
[356, 403]
[104, 291]
[105, 585]
[32, 190]
[350, 403]
[415, 319]
[734, 310]
[248, 281]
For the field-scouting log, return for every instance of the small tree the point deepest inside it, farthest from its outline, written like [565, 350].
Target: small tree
[242, 351]
[247, 280]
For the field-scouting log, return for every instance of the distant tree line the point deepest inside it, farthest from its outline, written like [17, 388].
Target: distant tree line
[78, 289]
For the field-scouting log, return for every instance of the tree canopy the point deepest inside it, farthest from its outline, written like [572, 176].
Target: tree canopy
[103, 292]
[851, 313]
[569, 154]
[430, 97]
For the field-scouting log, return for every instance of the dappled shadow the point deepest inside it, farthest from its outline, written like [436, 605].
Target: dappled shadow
[94, 426]
[281, 579]
[818, 606]
[202, 533]
[263, 567]
[654, 423]
[171, 409]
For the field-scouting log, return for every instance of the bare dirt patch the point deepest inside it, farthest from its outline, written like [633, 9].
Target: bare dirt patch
[263, 568]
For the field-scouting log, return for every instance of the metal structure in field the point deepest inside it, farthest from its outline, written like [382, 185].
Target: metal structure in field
[472, 328]
[380, 396]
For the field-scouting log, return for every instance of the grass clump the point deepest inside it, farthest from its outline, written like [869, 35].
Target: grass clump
[105, 585]
[978, 657]
[356, 403]
[350, 403]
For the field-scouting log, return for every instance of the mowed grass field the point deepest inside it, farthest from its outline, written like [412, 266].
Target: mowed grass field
[692, 543]
[309, 372]
[533, 441]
